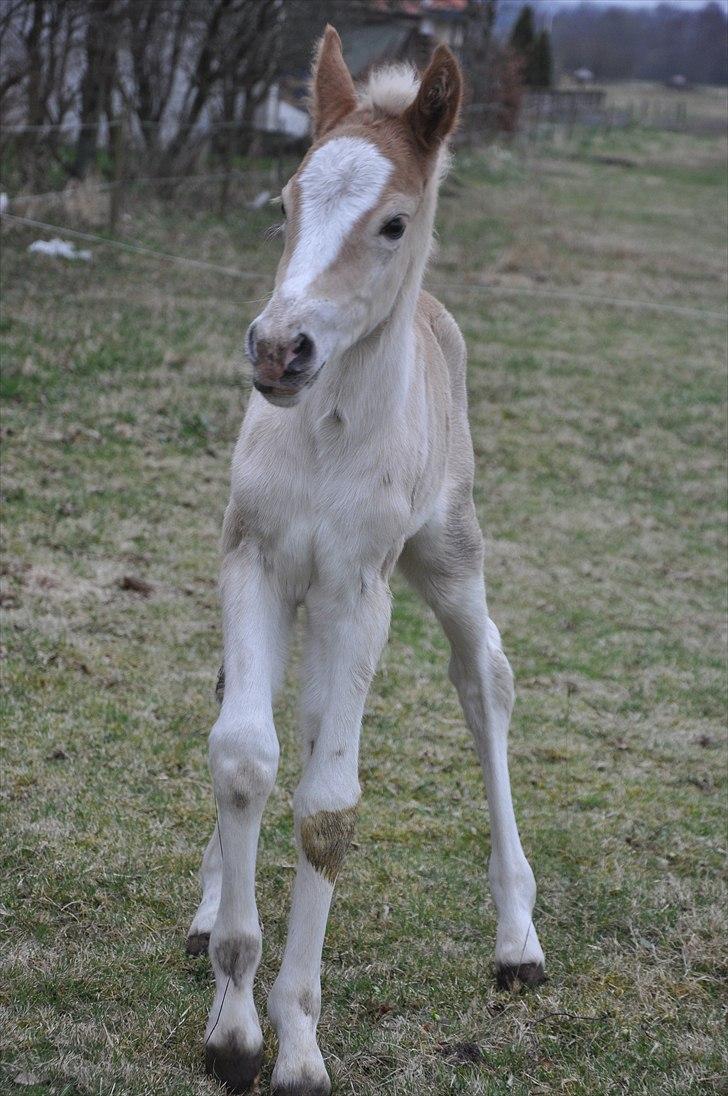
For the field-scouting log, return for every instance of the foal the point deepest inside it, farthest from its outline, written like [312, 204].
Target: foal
[354, 454]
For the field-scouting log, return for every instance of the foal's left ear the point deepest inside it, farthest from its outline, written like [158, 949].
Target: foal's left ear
[434, 113]
[333, 92]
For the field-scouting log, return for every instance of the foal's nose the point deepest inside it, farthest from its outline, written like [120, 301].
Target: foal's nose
[274, 360]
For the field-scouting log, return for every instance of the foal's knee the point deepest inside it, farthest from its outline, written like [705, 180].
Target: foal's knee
[243, 761]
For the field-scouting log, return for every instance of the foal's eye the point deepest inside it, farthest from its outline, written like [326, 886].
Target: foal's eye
[283, 209]
[394, 229]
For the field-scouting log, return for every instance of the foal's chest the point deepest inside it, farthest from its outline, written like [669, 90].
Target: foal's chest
[317, 504]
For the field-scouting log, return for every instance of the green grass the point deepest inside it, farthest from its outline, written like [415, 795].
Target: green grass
[599, 435]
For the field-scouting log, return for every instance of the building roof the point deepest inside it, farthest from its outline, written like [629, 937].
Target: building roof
[364, 46]
[422, 7]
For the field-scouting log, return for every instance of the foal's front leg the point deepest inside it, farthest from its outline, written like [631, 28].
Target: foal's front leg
[243, 762]
[348, 632]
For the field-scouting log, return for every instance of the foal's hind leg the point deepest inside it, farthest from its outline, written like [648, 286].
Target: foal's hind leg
[210, 875]
[444, 562]
[198, 935]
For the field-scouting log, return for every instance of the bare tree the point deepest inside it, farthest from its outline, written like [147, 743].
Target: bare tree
[37, 38]
[51, 38]
[197, 64]
[13, 54]
[180, 70]
[156, 34]
[100, 49]
[249, 59]
[38, 85]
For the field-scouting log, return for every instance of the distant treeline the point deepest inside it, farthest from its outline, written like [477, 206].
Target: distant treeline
[619, 43]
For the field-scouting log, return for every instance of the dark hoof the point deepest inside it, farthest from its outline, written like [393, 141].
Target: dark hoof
[197, 943]
[303, 1088]
[527, 974]
[232, 1066]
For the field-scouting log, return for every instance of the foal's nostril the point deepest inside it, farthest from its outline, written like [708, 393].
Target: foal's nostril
[299, 353]
[302, 345]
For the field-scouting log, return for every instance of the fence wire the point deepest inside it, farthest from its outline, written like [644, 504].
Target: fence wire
[589, 299]
[142, 249]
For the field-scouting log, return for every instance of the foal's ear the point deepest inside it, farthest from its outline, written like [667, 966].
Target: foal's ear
[333, 93]
[434, 113]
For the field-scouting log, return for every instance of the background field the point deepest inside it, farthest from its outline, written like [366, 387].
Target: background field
[599, 432]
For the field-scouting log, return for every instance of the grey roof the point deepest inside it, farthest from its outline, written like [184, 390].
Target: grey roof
[363, 46]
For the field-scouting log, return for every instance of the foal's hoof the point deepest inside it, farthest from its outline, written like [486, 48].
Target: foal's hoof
[304, 1087]
[526, 974]
[235, 1068]
[197, 943]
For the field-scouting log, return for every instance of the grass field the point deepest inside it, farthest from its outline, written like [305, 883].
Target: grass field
[599, 433]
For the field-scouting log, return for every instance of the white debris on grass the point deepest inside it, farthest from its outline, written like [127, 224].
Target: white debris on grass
[61, 248]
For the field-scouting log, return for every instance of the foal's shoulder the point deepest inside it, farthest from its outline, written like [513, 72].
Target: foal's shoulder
[433, 316]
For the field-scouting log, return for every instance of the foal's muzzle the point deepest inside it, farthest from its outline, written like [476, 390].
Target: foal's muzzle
[281, 369]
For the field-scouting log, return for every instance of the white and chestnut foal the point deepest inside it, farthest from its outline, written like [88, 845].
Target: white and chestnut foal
[354, 454]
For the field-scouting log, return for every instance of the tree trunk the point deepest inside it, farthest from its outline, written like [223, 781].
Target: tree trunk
[97, 82]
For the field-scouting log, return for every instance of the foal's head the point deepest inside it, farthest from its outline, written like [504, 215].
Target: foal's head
[358, 212]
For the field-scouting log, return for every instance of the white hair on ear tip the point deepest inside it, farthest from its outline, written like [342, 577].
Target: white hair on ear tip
[391, 89]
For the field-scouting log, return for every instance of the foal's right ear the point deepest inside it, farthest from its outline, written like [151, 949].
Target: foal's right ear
[333, 92]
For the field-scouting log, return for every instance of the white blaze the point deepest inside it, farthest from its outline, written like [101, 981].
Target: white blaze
[342, 180]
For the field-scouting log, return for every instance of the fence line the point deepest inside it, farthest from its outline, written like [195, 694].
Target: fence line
[585, 298]
[142, 249]
[558, 294]
[110, 123]
[85, 188]
[42, 127]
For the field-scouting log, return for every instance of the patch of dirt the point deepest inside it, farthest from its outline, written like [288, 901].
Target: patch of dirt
[461, 1053]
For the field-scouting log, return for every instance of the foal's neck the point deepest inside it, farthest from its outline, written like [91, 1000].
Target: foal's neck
[367, 387]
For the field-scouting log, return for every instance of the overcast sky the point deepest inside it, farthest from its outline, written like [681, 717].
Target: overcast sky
[649, 3]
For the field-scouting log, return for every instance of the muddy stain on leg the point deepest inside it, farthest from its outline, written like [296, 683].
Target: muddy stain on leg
[236, 955]
[325, 837]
